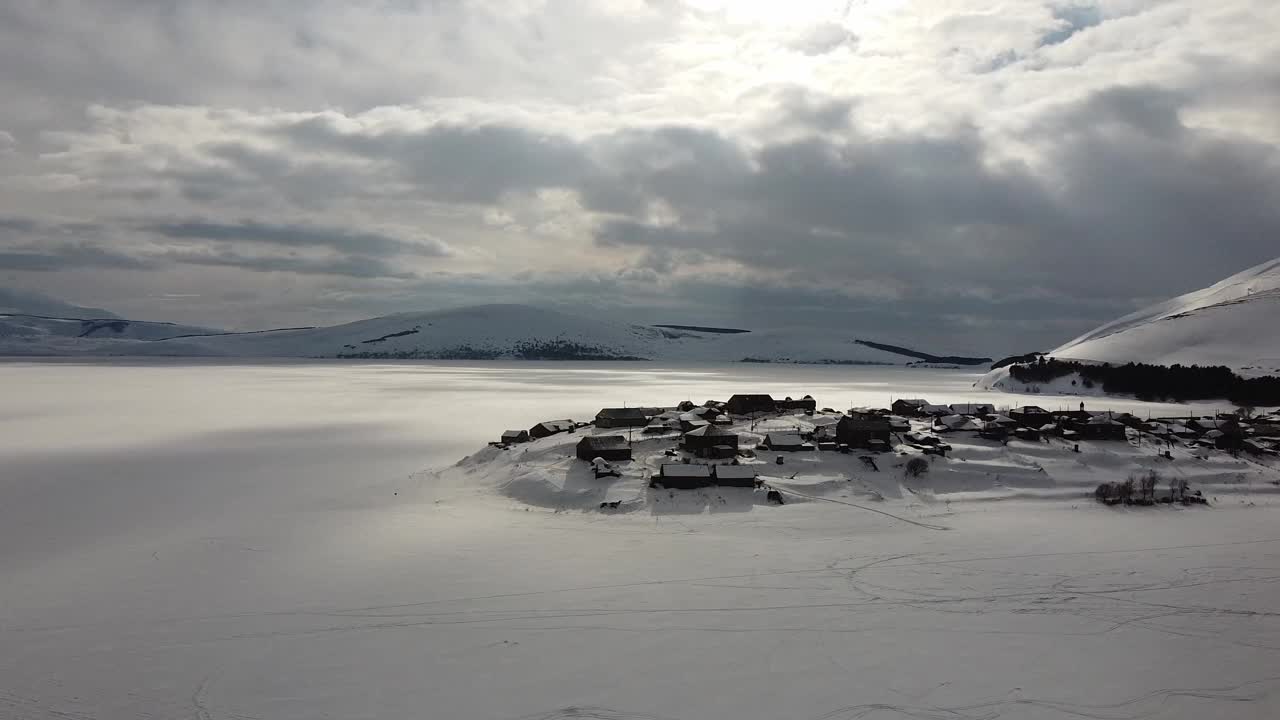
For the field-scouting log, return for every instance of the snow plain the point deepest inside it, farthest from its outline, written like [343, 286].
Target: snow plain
[297, 540]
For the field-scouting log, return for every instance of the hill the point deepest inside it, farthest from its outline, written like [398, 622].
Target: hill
[1229, 324]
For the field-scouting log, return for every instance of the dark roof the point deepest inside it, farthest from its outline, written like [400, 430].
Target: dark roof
[556, 424]
[680, 470]
[783, 439]
[751, 397]
[604, 442]
[912, 401]
[735, 471]
[515, 433]
[622, 413]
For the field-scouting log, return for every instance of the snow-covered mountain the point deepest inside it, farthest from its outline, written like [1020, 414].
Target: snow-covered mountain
[479, 332]
[1232, 323]
[33, 303]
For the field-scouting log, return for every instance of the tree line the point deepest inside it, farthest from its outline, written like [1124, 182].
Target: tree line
[1177, 383]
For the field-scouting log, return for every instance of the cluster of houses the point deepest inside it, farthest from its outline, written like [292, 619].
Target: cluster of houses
[705, 432]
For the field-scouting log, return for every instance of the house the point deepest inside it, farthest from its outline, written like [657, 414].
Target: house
[512, 437]
[1028, 434]
[909, 408]
[622, 417]
[972, 409]
[1100, 427]
[679, 476]
[749, 404]
[689, 423]
[935, 410]
[898, 423]
[609, 447]
[550, 427]
[786, 442]
[1004, 421]
[858, 430]
[705, 440]
[743, 476]
[807, 404]
[991, 430]
[1032, 416]
[658, 425]
[955, 422]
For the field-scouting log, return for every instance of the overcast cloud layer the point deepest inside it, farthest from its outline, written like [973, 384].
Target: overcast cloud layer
[988, 176]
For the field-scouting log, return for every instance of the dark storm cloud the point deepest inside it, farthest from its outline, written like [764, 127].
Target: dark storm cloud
[69, 257]
[297, 236]
[458, 163]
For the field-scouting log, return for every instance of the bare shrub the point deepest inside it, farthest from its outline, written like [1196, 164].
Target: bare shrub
[916, 467]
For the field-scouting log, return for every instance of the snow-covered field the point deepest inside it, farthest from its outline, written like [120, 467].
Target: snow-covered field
[296, 540]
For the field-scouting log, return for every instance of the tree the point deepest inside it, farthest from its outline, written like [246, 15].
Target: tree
[1124, 491]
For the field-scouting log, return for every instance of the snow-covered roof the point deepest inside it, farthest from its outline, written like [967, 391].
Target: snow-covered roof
[605, 442]
[711, 431]
[735, 472]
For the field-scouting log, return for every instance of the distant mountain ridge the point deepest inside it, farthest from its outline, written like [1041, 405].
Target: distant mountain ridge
[482, 332]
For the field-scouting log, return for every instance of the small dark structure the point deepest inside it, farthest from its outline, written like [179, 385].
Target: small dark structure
[609, 447]
[704, 440]
[859, 430]
[550, 427]
[774, 497]
[786, 442]
[743, 476]
[1032, 416]
[807, 404]
[679, 476]
[621, 417]
[935, 410]
[909, 407]
[973, 409]
[748, 404]
[511, 437]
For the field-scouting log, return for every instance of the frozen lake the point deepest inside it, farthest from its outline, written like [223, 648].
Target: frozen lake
[234, 540]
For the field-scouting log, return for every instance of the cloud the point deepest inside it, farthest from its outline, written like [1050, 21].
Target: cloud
[1071, 19]
[48, 259]
[1014, 164]
[823, 38]
[298, 236]
[347, 266]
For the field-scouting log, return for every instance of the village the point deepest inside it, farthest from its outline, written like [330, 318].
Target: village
[757, 442]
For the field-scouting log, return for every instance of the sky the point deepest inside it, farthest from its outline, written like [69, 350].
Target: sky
[996, 176]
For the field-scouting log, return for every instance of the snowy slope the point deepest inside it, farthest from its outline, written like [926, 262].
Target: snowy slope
[1232, 323]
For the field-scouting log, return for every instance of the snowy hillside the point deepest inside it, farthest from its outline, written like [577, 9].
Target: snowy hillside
[479, 332]
[35, 335]
[1232, 323]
